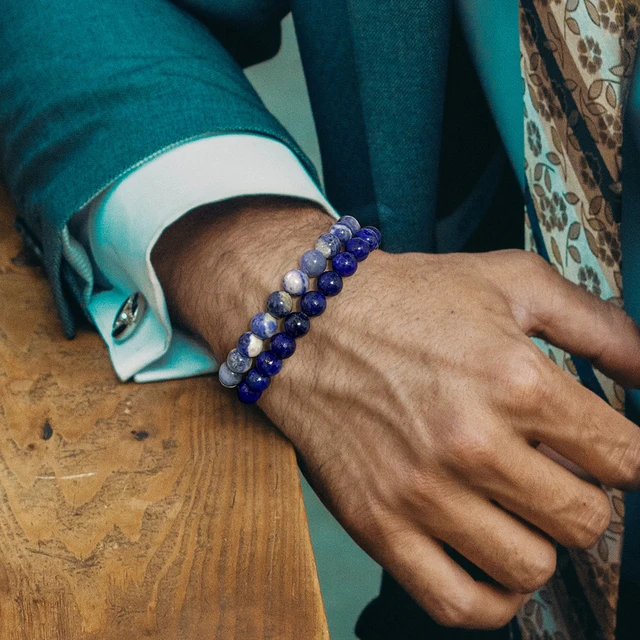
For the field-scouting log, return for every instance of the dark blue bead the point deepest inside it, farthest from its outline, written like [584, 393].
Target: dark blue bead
[313, 303]
[257, 381]
[283, 346]
[345, 264]
[330, 283]
[377, 232]
[358, 247]
[246, 395]
[370, 237]
[268, 364]
[297, 324]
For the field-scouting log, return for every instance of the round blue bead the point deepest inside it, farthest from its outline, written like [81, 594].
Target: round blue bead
[267, 364]
[264, 325]
[295, 282]
[358, 247]
[350, 222]
[297, 324]
[282, 345]
[227, 377]
[330, 283]
[328, 245]
[246, 395]
[257, 381]
[313, 303]
[249, 344]
[237, 362]
[341, 231]
[313, 263]
[370, 237]
[279, 304]
[377, 232]
[345, 264]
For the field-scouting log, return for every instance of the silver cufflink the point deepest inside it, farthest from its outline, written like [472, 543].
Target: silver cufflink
[128, 318]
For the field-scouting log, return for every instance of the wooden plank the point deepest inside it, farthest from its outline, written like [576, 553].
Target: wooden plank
[161, 511]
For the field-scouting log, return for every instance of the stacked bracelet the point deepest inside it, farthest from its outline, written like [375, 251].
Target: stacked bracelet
[345, 245]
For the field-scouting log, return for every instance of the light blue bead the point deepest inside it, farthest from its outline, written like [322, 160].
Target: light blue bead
[227, 377]
[238, 363]
[313, 263]
[295, 282]
[350, 222]
[264, 325]
[250, 345]
[341, 231]
[279, 304]
[328, 245]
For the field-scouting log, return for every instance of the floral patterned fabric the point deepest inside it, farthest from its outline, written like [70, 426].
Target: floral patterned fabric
[576, 58]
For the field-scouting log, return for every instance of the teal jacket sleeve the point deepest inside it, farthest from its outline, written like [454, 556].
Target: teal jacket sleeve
[89, 90]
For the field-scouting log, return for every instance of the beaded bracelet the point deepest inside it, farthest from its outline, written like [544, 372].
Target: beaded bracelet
[345, 245]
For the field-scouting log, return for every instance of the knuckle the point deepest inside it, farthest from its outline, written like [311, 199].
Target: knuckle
[592, 521]
[471, 447]
[454, 611]
[537, 571]
[524, 381]
[626, 460]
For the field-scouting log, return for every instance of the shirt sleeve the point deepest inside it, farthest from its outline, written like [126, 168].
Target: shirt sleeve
[119, 228]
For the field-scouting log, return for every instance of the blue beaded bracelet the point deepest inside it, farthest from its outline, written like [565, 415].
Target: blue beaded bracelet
[343, 247]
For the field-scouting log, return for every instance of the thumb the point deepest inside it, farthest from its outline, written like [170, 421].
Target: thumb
[549, 306]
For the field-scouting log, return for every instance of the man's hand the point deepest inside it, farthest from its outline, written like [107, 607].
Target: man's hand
[417, 400]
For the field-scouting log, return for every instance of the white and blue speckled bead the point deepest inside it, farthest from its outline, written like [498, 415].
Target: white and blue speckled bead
[295, 282]
[341, 231]
[264, 325]
[279, 304]
[238, 363]
[328, 245]
[350, 222]
[228, 378]
[313, 263]
[250, 345]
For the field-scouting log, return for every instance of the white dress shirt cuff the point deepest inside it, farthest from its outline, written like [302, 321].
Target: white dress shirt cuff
[122, 225]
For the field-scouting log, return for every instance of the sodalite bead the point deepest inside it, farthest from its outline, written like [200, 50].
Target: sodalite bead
[341, 231]
[282, 345]
[246, 395]
[295, 282]
[313, 263]
[279, 304]
[268, 364]
[328, 245]
[250, 345]
[227, 377]
[370, 236]
[264, 325]
[358, 247]
[313, 303]
[350, 222]
[345, 264]
[330, 283]
[237, 362]
[377, 232]
[257, 381]
[297, 324]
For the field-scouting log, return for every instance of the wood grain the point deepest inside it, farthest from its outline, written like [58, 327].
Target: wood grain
[157, 511]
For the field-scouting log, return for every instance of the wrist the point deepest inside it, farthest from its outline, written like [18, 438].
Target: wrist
[218, 264]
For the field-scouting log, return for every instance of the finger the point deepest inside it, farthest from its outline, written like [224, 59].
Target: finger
[570, 510]
[578, 425]
[515, 555]
[445, 590]
[549, 306]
